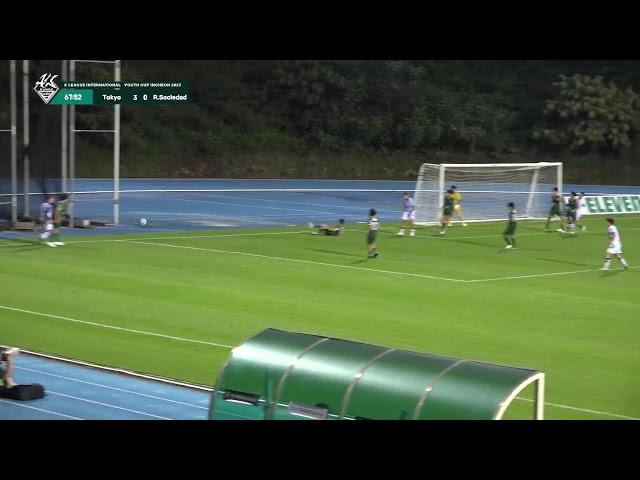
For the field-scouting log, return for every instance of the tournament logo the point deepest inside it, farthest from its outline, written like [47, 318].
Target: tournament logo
[46, 88]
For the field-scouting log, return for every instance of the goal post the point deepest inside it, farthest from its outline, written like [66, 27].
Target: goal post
[486, 189]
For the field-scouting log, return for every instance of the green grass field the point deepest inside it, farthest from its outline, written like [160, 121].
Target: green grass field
[173, 304]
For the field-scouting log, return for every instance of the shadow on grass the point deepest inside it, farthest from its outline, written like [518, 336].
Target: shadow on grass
[333, 252]
[610, 273]
[555, 260]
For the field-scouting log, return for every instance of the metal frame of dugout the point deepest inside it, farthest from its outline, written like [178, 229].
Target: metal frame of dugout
[280, 375]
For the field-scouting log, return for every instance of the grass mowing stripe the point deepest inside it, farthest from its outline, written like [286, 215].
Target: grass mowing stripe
[311, 262]
[140, 332]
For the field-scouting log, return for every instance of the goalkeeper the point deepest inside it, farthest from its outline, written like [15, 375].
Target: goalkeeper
[338, 229]
[457, 205]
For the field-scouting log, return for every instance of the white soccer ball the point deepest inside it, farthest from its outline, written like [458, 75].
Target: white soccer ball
[86, 223]
[143, 221]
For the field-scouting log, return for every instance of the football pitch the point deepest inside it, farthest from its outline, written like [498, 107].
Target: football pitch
[174, 304]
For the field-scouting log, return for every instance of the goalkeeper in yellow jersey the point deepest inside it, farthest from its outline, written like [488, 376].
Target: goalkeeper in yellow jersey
[457, 205]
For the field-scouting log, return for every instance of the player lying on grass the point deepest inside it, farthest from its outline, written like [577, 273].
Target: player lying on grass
[6, 372]
[510, 231]
[447, 211]
[372, 232]
[556, 198]
[457, 205]
[408, 214]
[615, 246]
[46, 221]
[327, 230]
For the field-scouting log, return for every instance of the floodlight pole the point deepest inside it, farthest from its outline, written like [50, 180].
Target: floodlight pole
[25, 133]
[116, 153]
[72, 150]
[14, 145]
[116, 142]
[64, 154]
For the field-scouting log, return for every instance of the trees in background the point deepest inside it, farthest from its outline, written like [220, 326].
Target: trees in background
[589, 113]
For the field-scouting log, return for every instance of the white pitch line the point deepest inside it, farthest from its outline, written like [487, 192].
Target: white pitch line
[310, 262]
[179, 237]
[586, 410]
[40, 409]
[108, 405]
[110, 387]
[102, 325]
[542, 275]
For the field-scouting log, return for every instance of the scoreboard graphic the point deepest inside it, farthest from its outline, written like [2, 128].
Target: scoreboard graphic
[111, 92]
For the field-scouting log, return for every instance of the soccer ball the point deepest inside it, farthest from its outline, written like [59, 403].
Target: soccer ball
[86, 223]
[143, 221]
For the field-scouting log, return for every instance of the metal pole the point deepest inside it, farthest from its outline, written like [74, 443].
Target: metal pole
[72, 149]
[560, 178]
[539, 403]
[116, 154]
[25, 133]
[14, 145]
[65, 151]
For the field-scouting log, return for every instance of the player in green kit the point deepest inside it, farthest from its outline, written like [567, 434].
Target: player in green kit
[556, 198]
[510, 231]
[372, 233]
[58, 218]
[447, 211]
[571, 213]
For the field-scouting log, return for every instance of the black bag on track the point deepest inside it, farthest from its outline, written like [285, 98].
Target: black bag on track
[23, 393]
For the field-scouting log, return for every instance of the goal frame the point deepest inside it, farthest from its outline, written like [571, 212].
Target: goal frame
[442, 170]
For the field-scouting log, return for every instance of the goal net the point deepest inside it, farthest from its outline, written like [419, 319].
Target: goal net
[487, 188]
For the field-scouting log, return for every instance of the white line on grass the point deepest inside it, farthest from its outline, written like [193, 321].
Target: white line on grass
[111, 388]
[540, 275]
[580, 409]
[140, 332]
[108, 405]
[310, 262]
[40, 409]
[179, 237]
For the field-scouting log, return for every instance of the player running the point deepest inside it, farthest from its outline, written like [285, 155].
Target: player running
[615, 246]
[556, 198]
[408, 214]
[447, 211]
[510, 231]
[372, 233]
[457, 204]
[338, 229]
[46, 220]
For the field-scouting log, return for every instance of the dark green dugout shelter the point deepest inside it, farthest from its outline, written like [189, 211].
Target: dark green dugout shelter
[279, 375]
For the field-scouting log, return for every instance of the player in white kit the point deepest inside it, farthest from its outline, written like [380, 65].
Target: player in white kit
[408, 215]
[615, 246]
[47, 214]
[582, 208]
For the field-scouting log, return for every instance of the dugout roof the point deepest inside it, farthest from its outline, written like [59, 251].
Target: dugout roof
[277, 375]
